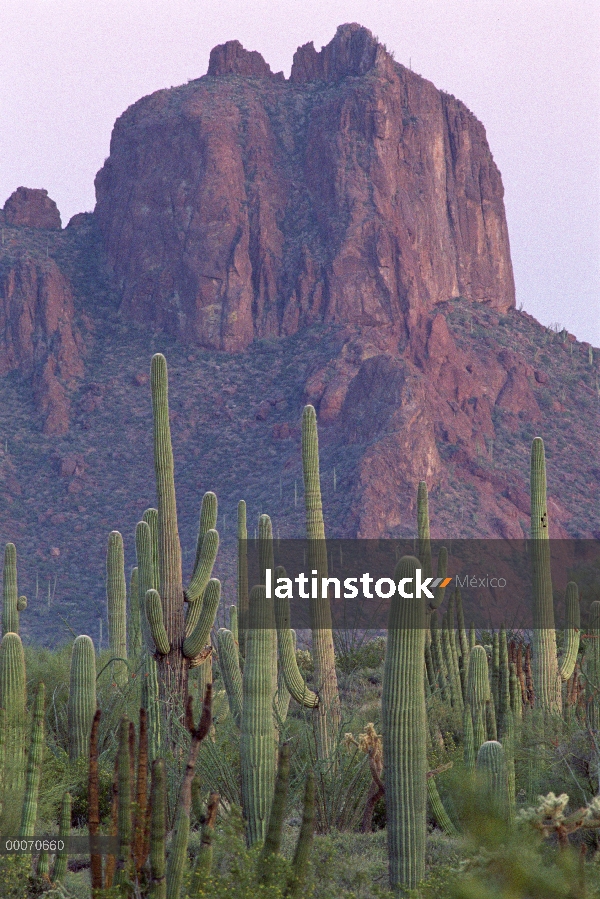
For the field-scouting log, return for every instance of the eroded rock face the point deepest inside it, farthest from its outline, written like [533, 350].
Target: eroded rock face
[33, 208]
[38, 335]
[242, 205]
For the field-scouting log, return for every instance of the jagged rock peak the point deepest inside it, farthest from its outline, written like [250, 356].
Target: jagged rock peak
[233, 59]
[32, 207]
[353, 51]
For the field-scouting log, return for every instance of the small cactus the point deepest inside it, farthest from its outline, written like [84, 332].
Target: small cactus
[82, 696]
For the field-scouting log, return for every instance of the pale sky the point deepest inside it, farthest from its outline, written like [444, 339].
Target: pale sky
[528, 69]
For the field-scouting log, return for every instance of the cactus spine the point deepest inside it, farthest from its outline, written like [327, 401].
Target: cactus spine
[327, 712]
[404, 736]
[34, 765]
[82, 696]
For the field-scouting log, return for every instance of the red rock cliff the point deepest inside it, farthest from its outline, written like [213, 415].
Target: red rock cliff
[243, 205]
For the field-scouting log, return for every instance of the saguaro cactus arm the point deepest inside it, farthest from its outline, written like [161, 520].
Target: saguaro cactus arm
[287, 657]
[230, 671]
[198, 638]
[572, 631]
[154, 613]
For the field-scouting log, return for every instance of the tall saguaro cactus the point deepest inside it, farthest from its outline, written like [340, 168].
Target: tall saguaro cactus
[327, 712]
[547, 674]
[405, 735]
[174, 635]
[82, 696]
[116, 597]
[12, 603]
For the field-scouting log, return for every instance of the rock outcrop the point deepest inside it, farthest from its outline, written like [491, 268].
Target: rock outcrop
[242, 205]
[38, 335]
[33, 208]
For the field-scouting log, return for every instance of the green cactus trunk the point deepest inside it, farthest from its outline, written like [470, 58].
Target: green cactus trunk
[124, 873]
[272, 842]
[478, 693]
[546, 674]
[82, 696]
[13, 699]
[296, 883]
[405, 736]
[327, 712]
[10, 593]
[242, 577]
[257, 737]
[135, 619]
[34, 765]
[158, 831]
[172, 665]
[491, 766]
[116, 597]
[64, 830]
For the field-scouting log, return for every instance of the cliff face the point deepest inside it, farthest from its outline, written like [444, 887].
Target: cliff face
[242, 205]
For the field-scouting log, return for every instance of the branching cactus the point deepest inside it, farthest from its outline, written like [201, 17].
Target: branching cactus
[12, 603]
[327, 712]
[405, 736]
[82, 696]
[547, 674]
[116, 598]
[173, 636]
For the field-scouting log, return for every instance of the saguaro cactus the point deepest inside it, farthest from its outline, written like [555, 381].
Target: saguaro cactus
[405, 736]
[116, 597]
[174, 635]
[12, 603]
[12, 700]
[82, 696]
[327, 712]
[491, 765]
[478, 693]
[547, 675]
[34, 765]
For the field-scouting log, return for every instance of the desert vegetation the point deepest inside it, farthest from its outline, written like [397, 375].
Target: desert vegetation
[440, 760]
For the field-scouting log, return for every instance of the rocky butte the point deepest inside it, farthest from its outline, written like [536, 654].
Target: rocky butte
[337, 237]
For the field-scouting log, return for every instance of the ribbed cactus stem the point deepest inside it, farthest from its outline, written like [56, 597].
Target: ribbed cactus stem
[234, 623]
[478, 692]
[257, 737]
[272, 842]
[34, 765]
[504, 678]
[208, 521]
[491, 766]
[150, 516]
[151, 702]
[135, 619]
[202, 573]
[295, 888]
[146, 575]
[230, 671]
[154, 614]
[82, 696]
[328, 714]
[242, 575]
[158, 831]
[592, 667]
[64, 830]
[13, 698]
[423, 529]
[124, 830]
[199, 636]
[405, 736]
[437, 807]
[572, 631]
[10, 593]
[116, 597]
[545, 663]
[287, 657]
[468, 739]
[205, 853]
[172, 666]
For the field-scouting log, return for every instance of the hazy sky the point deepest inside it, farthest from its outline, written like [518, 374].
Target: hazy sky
[529, 69]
